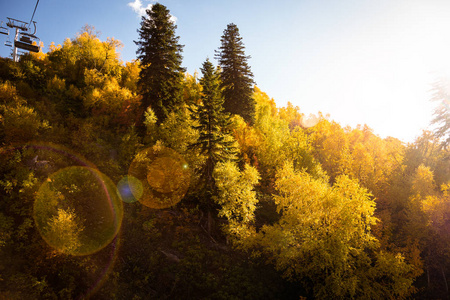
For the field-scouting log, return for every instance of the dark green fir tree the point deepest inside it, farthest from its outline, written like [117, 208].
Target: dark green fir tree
[236, 76]
[213, 141]
[161, 75]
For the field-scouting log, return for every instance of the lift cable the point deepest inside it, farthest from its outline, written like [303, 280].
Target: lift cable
[37, 2]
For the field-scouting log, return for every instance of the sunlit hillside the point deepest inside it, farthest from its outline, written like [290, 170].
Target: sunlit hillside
[137, 180]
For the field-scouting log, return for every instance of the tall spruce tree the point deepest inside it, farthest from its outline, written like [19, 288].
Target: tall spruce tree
[161, 76]
[213, 141]
[236, 76]
[442, 113]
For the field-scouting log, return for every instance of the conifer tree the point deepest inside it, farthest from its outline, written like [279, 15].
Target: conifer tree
[213, 142]
[442, 113]
[161, 75]
[236, 76]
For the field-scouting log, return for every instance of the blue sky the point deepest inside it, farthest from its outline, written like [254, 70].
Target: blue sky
[360, 61]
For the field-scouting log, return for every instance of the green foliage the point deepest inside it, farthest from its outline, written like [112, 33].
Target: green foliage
[161, 75]
[178, 132]
[338, 212]
[236, 76]
[213, 141]
[298, 149]
[276, 143]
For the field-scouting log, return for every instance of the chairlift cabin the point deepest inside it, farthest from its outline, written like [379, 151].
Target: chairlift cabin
[25, 42]
[23, 38]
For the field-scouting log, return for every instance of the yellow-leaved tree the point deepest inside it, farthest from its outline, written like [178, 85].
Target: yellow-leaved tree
[236, 198]
[64, 231]
[323, 239]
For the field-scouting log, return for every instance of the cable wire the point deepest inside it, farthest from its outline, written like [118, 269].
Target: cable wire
[33, 14]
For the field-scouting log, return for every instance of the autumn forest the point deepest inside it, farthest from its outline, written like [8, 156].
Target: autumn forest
[138, 180]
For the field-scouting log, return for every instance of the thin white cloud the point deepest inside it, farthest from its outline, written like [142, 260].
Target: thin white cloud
[173, 19]
[139, 8]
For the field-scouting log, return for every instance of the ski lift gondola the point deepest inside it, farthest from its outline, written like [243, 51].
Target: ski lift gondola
[25, 42]
[28, 41]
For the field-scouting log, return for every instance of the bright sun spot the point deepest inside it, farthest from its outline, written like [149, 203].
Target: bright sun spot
[382, 73]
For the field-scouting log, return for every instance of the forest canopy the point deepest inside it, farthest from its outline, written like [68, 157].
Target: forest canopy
[137, 180]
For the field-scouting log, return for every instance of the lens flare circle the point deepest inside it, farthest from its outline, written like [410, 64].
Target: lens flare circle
[163, 174]
[130, 189]
[78, 210]
[310, 121]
